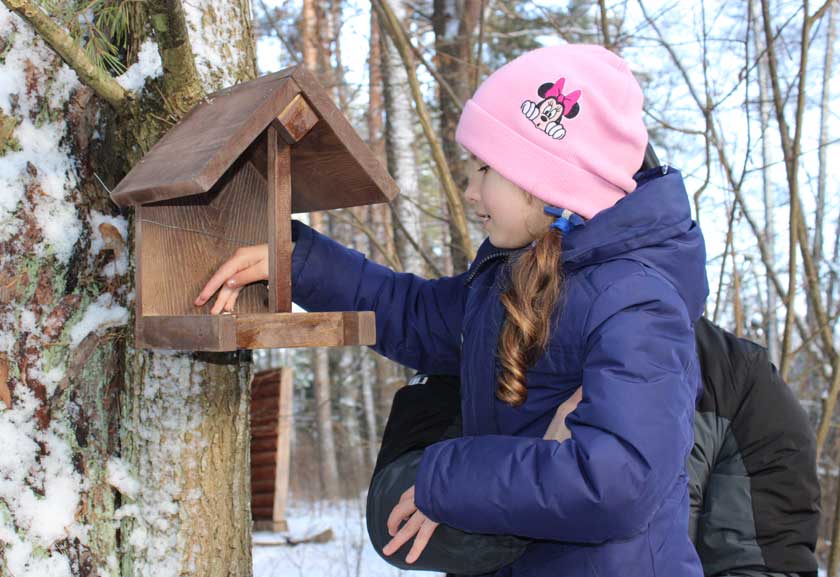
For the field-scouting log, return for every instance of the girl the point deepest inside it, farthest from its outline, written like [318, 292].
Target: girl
[592, 274]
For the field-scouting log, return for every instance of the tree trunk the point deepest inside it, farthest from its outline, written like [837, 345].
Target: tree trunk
[372, 433]
[101, 431]
[771, 319]
[454, 23]
[350, 389]
[400, 144]
[323, 416]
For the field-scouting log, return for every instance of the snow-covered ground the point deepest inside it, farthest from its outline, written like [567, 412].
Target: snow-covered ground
[348, 554]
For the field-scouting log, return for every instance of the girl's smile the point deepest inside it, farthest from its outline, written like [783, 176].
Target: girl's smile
[512, 217]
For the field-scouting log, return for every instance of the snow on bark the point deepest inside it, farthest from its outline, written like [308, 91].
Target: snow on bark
[49, 304]
[148, 65]
[215, 35]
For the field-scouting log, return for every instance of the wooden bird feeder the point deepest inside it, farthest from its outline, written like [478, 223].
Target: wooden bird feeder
[230, 174]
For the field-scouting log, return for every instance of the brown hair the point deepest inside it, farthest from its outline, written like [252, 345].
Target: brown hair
[534, 288]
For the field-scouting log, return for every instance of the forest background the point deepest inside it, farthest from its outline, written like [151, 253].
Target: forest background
[103, 467]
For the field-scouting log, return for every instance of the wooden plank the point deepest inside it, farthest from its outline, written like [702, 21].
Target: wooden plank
[184, 241]
[263, 473]
[139, 310]
[262, 500]
[263, 431]
[322, 329]
[284, 446]
[279, 224]
[266, 384]
[194, 332]
[295, 120]
[262, 486]
[194, 154]
[259, 458]
[265, 407]
[273, 526]
[347, 159]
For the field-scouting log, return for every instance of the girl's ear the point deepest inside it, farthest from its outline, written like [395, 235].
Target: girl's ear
[573, 112]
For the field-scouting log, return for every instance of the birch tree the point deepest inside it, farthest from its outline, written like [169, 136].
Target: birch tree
[122, 461]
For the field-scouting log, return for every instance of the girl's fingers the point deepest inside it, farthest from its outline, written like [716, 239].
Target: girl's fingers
[401, 510]
[241, 259]
[248, 275]
[403, 535]
[221, 300]
[232, 299]
[422, 539]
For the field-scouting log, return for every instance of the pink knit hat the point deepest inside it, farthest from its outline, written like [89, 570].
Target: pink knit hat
[564, 123]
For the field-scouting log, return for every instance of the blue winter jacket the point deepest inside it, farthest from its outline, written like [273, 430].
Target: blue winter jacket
[613, 499]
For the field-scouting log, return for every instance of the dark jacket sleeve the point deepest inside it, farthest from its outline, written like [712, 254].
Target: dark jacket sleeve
[418, 321]
[630, 435]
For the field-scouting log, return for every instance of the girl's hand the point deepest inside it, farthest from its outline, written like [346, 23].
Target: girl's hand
[557, 428]
[248, 264]
[417, 524]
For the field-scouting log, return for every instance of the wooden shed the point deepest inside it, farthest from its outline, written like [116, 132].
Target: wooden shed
[271, 429]
[230, 174]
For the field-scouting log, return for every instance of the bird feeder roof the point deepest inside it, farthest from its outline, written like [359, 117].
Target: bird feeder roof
[331, 166]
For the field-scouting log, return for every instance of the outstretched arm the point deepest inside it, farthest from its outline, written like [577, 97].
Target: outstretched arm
[418, 321]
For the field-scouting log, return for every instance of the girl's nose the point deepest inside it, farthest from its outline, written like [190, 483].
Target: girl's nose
[471, 194]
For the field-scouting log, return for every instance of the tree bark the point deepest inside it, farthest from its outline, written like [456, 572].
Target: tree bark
[454, 25]
[156, 441]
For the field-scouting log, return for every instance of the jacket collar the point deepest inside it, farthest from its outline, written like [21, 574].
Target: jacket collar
[657, 210]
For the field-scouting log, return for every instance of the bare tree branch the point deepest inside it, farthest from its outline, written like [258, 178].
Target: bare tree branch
[435, 270]
[453, 195]
[89, 73]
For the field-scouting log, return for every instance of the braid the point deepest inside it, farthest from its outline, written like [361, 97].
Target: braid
[536, 281]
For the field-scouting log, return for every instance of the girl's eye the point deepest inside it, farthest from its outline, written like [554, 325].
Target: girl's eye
[484, 168]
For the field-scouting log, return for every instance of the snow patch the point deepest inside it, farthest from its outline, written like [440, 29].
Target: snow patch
[21, 95]
[148, 65]
[214, 40]
[119, 266]
[101, 314]
[121, 479]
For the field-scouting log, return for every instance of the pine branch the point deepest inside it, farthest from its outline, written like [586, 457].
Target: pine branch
[97, 79]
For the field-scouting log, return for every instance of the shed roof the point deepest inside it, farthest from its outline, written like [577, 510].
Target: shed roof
[331, 166]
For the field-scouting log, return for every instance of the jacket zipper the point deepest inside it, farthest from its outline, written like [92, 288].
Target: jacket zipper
[481, 263]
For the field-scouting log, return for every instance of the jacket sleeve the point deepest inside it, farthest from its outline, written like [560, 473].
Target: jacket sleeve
[418, 321]
[630, 435]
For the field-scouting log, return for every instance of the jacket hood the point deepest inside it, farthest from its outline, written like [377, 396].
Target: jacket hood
[652, 225]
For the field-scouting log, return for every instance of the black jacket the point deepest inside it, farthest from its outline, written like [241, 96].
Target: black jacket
[754, 487]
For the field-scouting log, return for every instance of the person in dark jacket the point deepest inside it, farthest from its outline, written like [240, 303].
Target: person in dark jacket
[755, 492]
[601, 290]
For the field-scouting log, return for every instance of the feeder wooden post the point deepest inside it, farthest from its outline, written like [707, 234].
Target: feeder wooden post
[279, 224]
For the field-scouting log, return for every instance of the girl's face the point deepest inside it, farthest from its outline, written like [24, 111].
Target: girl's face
[512, 217]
